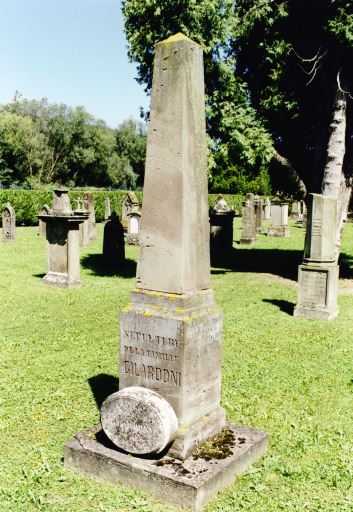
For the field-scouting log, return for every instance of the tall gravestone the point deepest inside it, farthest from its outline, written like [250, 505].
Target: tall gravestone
[170, 332]
[318, 274]
[267, 208]
[45, 210]
[279, 219]
[248, 235]
[107, 211]
[113, 241]
[83, 226]
[259, 214]
[221, 225]
[8, 224]
[88, 202]
[62, 235]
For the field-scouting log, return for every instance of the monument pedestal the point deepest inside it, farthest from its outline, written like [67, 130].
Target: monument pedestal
[317, 294]
[162, 336]
[221, 230]
[188, 484]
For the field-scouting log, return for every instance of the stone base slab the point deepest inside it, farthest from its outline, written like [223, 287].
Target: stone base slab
[248, 241]
[188, 484]
[191, 436]
[317, 292]
[61, 280]
[280, 231]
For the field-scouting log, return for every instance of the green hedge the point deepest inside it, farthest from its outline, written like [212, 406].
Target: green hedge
[28, 203]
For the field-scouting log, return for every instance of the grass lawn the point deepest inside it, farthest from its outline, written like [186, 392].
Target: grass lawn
[289, 376]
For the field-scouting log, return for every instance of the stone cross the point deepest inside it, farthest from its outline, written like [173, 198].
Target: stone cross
[318, 274]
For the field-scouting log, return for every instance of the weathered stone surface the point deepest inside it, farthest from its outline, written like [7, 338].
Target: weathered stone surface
[259, 215]
[267, 208]
[107, 212]
[88, 201]
[62, 234]
[172, 343]
[318, 275]
[138, 420]
[248, 235]
[45, 210]
[113, 241]
[8, 224]
[174, 236]
[279, 219]
[130, 205]
[189, 484]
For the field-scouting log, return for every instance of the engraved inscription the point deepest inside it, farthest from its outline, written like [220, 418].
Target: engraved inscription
[153, 373]
[150, 353]
[148, 338]
[313, 288]
[316, 226]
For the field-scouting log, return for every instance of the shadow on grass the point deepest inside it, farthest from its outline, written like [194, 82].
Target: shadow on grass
[40, 276]
[270, 261]
[283, 305]
[102, 268]
[102, 386]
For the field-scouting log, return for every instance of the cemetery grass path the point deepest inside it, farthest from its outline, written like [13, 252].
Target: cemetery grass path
[289, 376]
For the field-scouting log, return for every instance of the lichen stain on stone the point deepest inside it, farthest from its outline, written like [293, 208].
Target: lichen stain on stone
[179, 310]
[127, 308]
[218, 447]
[148, 313]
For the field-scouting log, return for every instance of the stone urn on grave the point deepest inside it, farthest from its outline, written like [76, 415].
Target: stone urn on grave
[63, 241]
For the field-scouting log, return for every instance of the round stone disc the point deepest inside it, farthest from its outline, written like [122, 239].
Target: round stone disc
[138, 420]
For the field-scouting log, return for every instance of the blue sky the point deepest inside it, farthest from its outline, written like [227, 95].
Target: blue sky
[69, 51]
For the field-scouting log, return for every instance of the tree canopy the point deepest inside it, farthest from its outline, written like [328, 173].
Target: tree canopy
[42, 142]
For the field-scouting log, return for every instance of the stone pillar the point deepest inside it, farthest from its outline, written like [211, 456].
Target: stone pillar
[267, 209]
[248, 236]
[88, 201]
[259, 215]
[279, 219]
[107, 212]
[171, 331]
[318, 274]
[63, 240]
[84, 226]
[8, 224]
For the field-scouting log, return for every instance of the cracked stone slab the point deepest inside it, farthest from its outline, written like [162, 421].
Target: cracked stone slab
[189, 484]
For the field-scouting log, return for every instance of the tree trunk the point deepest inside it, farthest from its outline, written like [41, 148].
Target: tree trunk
[334, 183]
[292, 173]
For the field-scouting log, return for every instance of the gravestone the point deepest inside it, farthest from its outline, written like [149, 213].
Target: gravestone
[248, 235]
[113, 241]
[45, 210]
[62, 235]
[295, 213]
[133, 229]
[83, 226]
[8, 224]
[170, 332]
[267, 208]
[221, 225]
[279, 219]
[129, 205]
[318, 274]
[88, 202]
[259, 215]
[107, 212]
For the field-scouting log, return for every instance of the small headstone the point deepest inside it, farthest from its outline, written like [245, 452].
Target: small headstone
[45, 210]
[248, 236]
[279, 219]
[130, 205]
[133, 228]
[84, 226]
[88, 203]
[9, 224]
[113, 241]
[318, 274]
[267, 208]
[221, 225]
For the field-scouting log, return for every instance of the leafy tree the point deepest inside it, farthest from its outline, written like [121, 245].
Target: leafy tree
[278, 81]
[131, 139]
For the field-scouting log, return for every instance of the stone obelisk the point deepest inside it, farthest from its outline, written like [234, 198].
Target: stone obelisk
[171, 331]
